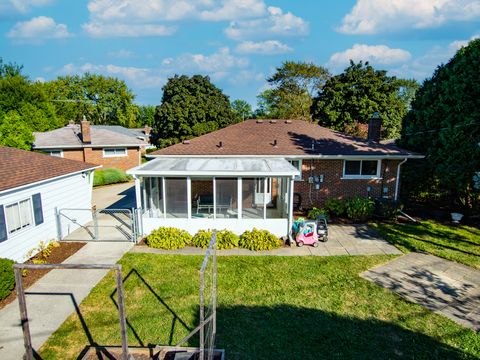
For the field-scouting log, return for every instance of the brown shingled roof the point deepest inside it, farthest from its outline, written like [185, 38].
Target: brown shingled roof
[280, 138]
[20, 167]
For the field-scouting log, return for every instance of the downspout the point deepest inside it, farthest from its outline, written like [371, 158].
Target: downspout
[398, 178]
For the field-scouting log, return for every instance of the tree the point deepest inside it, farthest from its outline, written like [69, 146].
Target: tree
[146, 115]
[191, 106]
[292, 88]
[359, 91]
[242, 109]
[444, 124]
[14, 132]
[103, 100]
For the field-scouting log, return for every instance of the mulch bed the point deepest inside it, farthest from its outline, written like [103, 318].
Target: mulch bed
[58, 255]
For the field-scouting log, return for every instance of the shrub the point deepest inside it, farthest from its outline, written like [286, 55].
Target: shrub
[7, 277]
[335, 207]
[110, 176]
[225, 239]
[168, 238]
[314, 212]
[387, 208]
[359, 209]
[259, 240]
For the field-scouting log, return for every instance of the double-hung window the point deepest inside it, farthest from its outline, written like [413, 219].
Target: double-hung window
[356, 169]
[114, 152]
[19, 215]
[56, 153]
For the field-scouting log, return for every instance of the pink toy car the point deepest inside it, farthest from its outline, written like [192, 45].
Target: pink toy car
[307, 234]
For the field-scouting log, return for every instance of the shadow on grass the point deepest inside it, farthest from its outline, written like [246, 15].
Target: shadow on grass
[289, 332]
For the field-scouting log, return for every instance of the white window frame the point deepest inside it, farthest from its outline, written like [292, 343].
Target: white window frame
[359, 176]
[16, 204]
[297, 177]
[52, 152]
[115, 150]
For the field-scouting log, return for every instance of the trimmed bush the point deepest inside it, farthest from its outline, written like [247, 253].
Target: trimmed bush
[314, 212]
[168, 238]
[259, 240]
[387, 208]
[225, 239]
[359, 209]
[335, 207]
[7, 277]
[110, 176]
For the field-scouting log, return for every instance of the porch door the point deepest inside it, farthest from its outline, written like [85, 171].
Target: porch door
[262, 195]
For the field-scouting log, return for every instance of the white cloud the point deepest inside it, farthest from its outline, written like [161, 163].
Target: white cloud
[121, 54]
[21, 6]
[276, 23]
[38, 29]
[100, 30]
[374, 16]
[141, 78]
[269, 47]
[375, 54]
[235, 9]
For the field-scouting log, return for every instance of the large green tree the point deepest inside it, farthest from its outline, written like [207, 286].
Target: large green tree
[292, 87]
[242, 109]
[444, 124]
[102, 100]
[146, 115]
[191, 106]
[352, 97]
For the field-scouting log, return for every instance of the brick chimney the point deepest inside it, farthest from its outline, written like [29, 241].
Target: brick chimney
[374, 128]
[85, 131]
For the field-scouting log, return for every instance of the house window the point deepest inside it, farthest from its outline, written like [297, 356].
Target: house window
[114, 152]
[361, 168]
[19, 215]
[56, 153]
[298, 165]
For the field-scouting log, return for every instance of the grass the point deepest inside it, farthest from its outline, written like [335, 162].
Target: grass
[458, 243]
[268, 308]
[110, 176]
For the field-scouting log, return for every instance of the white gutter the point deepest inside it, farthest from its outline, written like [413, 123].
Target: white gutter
[85, 146]
[211, 173]
[328, 157]
[46, 180]
[398, 178]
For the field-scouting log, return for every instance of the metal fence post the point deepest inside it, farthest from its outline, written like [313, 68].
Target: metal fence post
[58, 222]
[121, 311]
[27, 339]
[95, 221]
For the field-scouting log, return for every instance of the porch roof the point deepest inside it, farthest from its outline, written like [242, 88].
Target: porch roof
[211, 166]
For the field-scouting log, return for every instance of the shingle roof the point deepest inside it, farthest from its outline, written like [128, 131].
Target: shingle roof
[69, 137]
[20, 167]
[280, 138]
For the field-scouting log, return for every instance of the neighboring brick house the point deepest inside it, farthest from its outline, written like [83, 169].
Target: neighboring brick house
[266, 166]
[109, 146]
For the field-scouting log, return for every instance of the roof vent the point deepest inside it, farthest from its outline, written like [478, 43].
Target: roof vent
[288, 121]
[186, 142]
[275, 143]
[273, 121]
[220, 144]
[259, 121]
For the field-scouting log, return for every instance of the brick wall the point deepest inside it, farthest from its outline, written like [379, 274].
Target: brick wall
[335, 187]
[95, 156]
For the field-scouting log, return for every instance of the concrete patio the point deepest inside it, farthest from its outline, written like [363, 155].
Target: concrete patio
[342, 240]
[442, 286]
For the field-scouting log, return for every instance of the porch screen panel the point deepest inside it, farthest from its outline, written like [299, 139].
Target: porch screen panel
[176, 198]
[202, 197]
[226, 197]
[252, 198]
[155, 197]
[278, 207]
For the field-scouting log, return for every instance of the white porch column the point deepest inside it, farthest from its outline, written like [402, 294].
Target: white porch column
[138, 195]
[265, 197]
[239, 197]
[189, 196]
[290, 205]
[214, 198]
[164, 199]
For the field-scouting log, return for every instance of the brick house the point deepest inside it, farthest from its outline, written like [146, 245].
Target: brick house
[260, 168]
[111, 147]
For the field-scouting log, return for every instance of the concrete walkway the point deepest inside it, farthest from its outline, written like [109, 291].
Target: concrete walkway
[445, 287]
[342, 240]
[117, 196]
[54, 297]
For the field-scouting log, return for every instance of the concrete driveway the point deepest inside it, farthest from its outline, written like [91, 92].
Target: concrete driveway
[117, 196]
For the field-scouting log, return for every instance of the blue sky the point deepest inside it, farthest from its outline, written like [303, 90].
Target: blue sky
[238, 43]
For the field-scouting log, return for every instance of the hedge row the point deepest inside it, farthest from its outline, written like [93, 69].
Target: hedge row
[170, 238]
[110, 176]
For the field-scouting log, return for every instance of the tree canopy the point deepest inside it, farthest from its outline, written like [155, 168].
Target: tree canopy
[444, 124]
[292, 88]
[354, 95]
[242, 109]
[191, 106]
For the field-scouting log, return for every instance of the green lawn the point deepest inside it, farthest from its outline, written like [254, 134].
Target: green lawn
[268, 308]
[457, 243]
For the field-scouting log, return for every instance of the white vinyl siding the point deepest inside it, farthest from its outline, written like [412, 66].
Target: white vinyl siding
[19, 215]
[361, 169]
[114, 152]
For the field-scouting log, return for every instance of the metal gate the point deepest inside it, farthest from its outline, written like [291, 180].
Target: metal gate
[96, 225]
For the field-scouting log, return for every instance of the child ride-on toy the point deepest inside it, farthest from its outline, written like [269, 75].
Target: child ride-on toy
[307, 234]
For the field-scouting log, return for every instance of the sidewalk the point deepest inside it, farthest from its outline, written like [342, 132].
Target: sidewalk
[54, 297]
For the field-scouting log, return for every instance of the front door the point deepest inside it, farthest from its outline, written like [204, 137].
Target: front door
[262, 195]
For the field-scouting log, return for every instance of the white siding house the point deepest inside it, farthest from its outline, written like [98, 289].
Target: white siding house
[28, 203]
